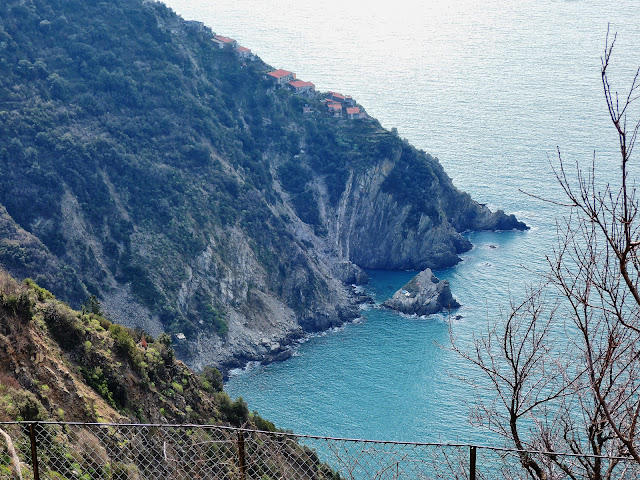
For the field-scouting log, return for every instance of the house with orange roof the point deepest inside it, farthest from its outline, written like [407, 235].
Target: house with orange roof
[244, 53]
[336, 97]
[335, 109]
[224, 42]
[281, 77]
[300, 87]
[344, 100]
[354, 113]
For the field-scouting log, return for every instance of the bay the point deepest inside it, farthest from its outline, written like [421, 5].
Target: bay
[492, 89]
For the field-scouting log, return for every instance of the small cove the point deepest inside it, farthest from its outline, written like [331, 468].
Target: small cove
[390, 376]
[491, 89]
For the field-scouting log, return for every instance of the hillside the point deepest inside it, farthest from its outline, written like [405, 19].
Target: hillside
[63, 365]
[142, 164]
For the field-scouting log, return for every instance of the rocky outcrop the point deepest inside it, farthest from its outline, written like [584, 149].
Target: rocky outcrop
[349, 273]
[377, 227]
[424, 294]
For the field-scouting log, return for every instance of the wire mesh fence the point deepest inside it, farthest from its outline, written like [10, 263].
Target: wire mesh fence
[47, 450]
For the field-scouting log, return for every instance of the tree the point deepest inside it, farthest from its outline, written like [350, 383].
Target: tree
[580, 394]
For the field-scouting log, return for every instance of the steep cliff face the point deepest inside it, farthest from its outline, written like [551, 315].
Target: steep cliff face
[146, 166]
[372, 229]
[381, 222]
[263, 314]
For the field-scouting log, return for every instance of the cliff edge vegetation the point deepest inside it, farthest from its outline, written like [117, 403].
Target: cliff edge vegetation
[57, 363]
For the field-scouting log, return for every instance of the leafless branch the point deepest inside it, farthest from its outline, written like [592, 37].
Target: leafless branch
[581, 394]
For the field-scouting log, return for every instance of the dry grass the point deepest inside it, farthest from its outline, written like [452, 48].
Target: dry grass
[8, 285]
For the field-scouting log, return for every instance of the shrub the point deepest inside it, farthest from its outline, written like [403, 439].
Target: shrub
[107, 384]
[20, 304]
[123, 340]
[92, 305]
[235, 412]
[42, 293]
[211, 379]
[28, 407]
[262, 424]
[104, 323]
[64, 326]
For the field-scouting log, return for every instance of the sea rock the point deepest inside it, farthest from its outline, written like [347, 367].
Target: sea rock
[424, 294]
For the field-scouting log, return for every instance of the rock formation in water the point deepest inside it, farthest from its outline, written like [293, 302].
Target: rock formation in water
[424, 294]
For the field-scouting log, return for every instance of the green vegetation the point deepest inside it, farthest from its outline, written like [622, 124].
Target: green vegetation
[20, 304]
[42, 293]
[102, 104]
[144, 113]
[237, 412]
[211, 379]
[412, 175]
[213, 316]
[102, 108]
[95, 379]
[132, 372]
[133, 150]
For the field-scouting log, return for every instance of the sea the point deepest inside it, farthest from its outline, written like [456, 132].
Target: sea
[497, 90]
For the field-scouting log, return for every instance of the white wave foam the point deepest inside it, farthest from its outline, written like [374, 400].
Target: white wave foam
[247, 368]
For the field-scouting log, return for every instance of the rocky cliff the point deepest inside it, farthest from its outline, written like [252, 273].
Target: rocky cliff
[146, 166]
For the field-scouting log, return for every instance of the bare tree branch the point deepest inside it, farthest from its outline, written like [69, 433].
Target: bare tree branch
[581, 394]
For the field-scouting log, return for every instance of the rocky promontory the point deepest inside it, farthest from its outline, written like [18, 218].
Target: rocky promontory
[424, 294]
[191, 195]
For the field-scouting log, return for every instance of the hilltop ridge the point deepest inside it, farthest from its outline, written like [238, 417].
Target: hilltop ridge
[145, 165]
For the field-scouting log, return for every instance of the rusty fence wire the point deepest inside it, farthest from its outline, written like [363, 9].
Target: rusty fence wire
[72, 451]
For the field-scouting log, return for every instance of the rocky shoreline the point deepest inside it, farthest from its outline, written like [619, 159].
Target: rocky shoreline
[424, 294]
[271, 350]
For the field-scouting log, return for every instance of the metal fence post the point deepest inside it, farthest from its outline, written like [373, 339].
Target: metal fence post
[34, 451]
[472, 462]
[241, 456]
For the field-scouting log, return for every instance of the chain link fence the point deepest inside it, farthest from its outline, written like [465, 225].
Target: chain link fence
[47, 450]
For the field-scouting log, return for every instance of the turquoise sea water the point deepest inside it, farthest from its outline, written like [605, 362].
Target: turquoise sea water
[391, 376]
[489, 87]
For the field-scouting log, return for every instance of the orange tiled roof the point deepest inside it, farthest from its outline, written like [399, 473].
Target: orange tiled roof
[279, 73]
[300, 83]
[336, 95]
[224, 39]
